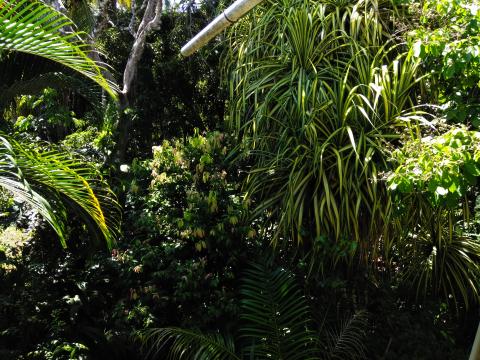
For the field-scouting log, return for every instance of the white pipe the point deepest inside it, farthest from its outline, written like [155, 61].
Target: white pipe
[220, 23]
[475, 354]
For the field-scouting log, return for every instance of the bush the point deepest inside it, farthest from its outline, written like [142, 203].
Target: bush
[185, 241]
[192, 230]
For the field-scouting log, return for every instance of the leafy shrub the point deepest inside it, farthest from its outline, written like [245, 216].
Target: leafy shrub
[434, 189]
[442, 167]
[276, 324]
[192, 228]
[186, 238]
[318, 106]
[447, 41]
[44, 115]
[60, 351]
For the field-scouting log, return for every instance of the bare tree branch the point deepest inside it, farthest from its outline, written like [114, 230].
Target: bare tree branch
[151, 21]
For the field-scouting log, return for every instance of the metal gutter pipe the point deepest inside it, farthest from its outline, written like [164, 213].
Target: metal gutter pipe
[220, 23]
[475, 354]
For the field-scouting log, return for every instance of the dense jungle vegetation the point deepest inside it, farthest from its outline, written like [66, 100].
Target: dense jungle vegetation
[303, 187]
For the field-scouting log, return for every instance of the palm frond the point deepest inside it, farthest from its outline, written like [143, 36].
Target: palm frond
[188, 344]
[276, 316]
[59, 178]
[82, 13]
[35, 28]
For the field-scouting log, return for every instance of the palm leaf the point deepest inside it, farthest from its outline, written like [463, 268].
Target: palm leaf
[59, 178]
[35, 28]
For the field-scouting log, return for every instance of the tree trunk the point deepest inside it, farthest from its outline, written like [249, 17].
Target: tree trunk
[150, 22]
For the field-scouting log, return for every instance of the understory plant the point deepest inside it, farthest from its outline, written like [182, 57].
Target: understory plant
[321, 96]
[435, 186]
[191, 229]
[46, 177]
[276, 324]
[185, 242]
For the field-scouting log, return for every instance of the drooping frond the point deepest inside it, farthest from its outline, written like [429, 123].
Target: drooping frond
[438, 260]
[188, 344]
[13, 179]
[47, 178]
[35, 28]
[276, 316]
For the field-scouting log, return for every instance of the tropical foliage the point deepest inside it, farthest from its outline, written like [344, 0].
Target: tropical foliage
[276, 322]
[304, 187]
[54, 175]
[435, 183]
[47, 179]
[446, 39]
[319, 100]
[55, 41]
[443, 167]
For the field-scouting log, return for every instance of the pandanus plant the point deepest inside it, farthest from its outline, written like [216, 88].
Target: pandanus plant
[321, 94]
[320, 91]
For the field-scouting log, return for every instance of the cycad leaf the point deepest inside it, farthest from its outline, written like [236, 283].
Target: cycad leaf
[347, 341]
[56, 175]
[276, 316]
[188, 344]
[35, 28]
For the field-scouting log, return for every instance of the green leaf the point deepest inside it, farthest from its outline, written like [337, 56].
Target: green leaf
[452, 188]
[32, 27]
[50, 180]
